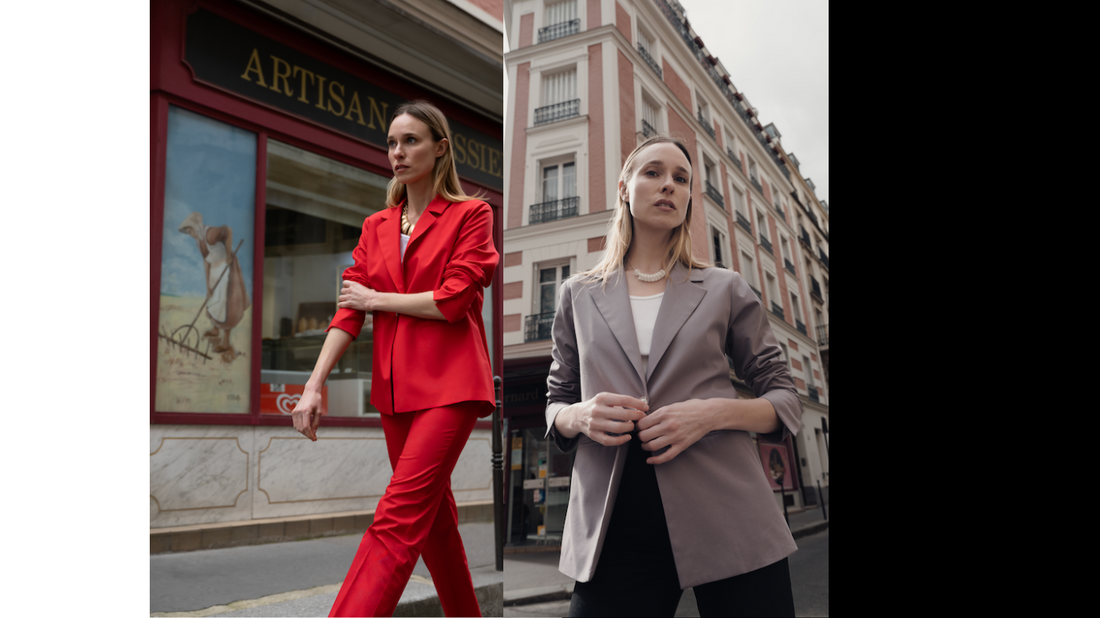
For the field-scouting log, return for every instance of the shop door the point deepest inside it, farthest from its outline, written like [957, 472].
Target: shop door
[539, 492]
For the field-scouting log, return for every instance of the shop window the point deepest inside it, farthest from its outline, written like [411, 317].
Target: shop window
[314, 213]
[204, 320]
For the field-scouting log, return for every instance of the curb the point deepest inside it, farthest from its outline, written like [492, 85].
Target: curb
[281, 529]
[490, 598]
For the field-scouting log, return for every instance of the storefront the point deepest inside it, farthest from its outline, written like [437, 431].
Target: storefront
[268, 150]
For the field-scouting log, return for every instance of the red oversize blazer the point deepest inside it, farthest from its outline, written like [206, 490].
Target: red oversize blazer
[422, 363]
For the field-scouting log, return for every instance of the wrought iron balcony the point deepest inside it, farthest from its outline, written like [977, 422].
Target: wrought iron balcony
[677, 22]
[554, 210]
[714, 194]
[743, 222]
[650, 60]
[706, 125]
[804, 236]
[557, 111]
[557, 31]
[755, 183]
[736, 160]
[824, 258]
[767, 244]
[779, 209]
[719, 264]
[812, 390]
[823, 334]
[777, 310]
[647, 130]
[789, 266]
[800, 326]
[538, 327]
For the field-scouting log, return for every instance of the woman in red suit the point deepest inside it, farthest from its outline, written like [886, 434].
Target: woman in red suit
[420, 268]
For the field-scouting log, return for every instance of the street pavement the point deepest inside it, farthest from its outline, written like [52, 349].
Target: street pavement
[533, 586]
[300, 578]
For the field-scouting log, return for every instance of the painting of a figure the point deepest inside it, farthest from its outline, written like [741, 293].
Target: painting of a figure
[204, 325]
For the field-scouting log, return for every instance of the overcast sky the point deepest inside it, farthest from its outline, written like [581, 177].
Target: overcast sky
[777, 55]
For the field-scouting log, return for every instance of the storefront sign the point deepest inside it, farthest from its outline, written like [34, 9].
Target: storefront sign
[281, 398]
[533, 483]
[558, 481]
[230, 56]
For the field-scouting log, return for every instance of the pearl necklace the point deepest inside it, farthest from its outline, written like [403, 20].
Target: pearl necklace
[657, 276]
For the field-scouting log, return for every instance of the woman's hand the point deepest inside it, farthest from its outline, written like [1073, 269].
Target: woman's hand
[601, 416]
[676, 426]
[356, 296]
[307, 414]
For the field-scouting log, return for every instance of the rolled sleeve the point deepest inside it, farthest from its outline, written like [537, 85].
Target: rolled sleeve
[758, 360]
[563, 382]
[471, 267]
[351, 320]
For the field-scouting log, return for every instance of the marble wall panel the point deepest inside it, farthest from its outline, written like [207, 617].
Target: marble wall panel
[199, 474]
[346, 469]
[472, 478]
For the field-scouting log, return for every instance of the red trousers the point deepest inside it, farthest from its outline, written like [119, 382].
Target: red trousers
[416, 515]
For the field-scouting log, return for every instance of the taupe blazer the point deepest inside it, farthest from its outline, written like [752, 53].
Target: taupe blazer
[722, 516]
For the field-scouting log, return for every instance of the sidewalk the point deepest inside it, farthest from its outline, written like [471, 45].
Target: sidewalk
[534, 577]
[301, 578]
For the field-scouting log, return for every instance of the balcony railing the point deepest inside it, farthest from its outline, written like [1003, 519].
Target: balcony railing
[777, 310]
[779, 209]
[538, 327]
[647, 130]
[824, 258]
[812, 390]
[823, 334]
[557, 31]
[800, 326]
[755, 182]
[650, 60]
[557, 111]
[743, 222]
[706, 125]
[767, 244]
[554, 210]
[789, 266]
[736, 160]
[714, 194]
[804, 236]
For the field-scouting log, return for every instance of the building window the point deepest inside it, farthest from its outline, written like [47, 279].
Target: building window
[648, 50]
[558, 199]
[740, 209]
[710, 180]
[561, 20]
[765, 233]
[777, 309]
[549, 280]
[718, 242]
[796, 313]
[754, 177]
[784, 246]
[559, 97]
[649, 117]
[748, 272]
[704, 114]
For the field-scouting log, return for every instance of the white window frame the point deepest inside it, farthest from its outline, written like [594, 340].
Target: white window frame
[557, 264]
[559, 162]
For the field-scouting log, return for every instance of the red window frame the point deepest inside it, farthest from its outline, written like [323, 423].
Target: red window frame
[172, 83]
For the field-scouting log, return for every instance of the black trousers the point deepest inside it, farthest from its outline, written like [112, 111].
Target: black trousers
[636, 572]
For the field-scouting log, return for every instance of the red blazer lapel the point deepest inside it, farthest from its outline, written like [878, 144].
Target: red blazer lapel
[425, 222]
[389, 240]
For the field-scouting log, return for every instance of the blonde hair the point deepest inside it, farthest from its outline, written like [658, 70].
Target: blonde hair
[444, 175]
[620, 230]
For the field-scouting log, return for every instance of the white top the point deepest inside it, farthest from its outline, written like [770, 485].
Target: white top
[405, 242]
[645, 310]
